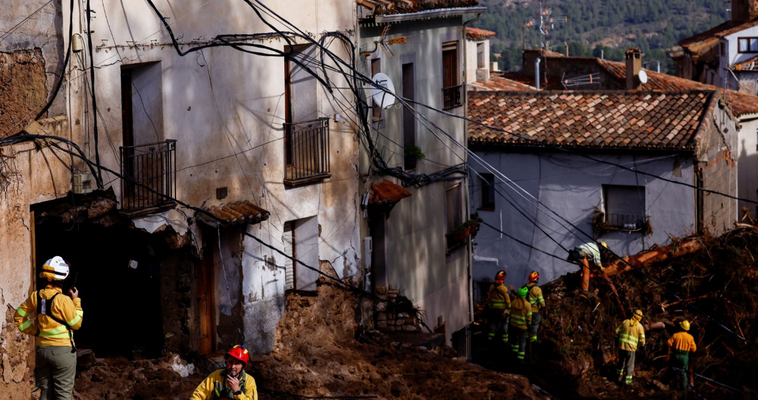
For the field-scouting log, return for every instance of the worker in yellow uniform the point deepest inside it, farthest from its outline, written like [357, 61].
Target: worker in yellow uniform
[56, 317]
[498, 308]
[584, 255]
[630, 334]
[521, 319]
[230, 383]
[536, 302]
[681, 344]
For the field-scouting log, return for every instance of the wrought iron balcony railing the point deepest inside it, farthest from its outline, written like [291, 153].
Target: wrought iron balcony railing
[149, 175]
[625, 221]
[306, 146]
[452, 97]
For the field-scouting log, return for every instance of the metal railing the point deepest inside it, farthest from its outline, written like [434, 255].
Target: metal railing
[452, 97]
[306, 150]
[149, 175]
[461, 341]
[625, 221]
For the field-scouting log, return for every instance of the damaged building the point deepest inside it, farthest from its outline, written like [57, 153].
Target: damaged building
[179, 186]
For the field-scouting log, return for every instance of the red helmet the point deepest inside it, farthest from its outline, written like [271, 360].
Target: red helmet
[500, 276]
[534, 276]
[240, 353]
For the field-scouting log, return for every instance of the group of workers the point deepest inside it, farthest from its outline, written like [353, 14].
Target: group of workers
[52, 317]
[512, 320]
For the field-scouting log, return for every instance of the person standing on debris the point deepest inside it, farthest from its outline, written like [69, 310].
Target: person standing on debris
[536, 302]
[630, 334]
[521, 319]
[56, 318]
[681, 344]
[230, 383]
[498, 308]
[583, 256]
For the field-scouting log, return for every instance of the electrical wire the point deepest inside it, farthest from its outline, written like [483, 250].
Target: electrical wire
[521, 242]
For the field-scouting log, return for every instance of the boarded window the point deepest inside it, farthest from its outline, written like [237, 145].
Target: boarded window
[624, 206]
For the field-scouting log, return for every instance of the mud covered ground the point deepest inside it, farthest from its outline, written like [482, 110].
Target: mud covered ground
[317, 354]
[578, 353]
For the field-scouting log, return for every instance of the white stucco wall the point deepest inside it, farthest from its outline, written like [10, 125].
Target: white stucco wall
[225, 108]
[472, 59]
[733, 56]
[571, 186]
[415, 243]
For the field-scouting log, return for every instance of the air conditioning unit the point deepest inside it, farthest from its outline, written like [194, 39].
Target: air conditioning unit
[82, 183]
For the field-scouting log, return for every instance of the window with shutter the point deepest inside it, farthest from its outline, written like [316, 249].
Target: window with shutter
[624, 206]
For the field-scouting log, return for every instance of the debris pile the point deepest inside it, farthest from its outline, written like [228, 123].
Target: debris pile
[578, 354]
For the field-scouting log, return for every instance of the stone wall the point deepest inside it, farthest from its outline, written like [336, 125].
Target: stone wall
[395, 313]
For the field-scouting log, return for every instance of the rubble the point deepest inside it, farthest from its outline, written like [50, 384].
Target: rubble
[577, 357]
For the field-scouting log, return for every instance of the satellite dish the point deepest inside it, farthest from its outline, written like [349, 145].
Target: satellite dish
[643, 77]
[381, 97]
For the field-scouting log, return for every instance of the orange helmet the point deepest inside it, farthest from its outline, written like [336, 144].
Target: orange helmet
[500, 276]
[534, 276]
[240, 353]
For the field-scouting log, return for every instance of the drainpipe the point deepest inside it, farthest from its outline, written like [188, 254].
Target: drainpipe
[537, 73]
[465, 155]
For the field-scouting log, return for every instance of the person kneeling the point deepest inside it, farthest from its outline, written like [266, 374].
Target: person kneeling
[230, 383]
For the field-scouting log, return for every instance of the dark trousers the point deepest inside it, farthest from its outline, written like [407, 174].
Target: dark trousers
[498, 325]
[679, 365]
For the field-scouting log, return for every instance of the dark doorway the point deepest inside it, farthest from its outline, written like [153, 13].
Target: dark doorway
[118, 276]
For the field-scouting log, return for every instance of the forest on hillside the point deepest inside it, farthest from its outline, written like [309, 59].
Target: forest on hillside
[599, 27]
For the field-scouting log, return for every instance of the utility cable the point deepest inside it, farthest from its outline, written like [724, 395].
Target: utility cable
[99, 176]
[521, 242]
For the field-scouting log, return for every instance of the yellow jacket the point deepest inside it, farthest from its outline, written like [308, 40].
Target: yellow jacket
[521, 313]
[497, 297]
[630, 334]
[50, 332]
[682, 341]
[535, 297]
[211, 387]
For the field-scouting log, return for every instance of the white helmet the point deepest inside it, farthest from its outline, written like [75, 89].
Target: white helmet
[55, 269]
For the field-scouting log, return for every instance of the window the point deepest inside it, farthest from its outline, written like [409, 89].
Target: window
[624, 206]
[480, 55]
[411, 155]
[747, 45]
[488, 192]
[722, 49]
[453, 208]
[300, 238]
[376, 67]
[451, 90]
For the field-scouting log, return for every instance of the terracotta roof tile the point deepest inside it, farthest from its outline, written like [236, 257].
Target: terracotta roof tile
[703, 41]
[387, 7]
[241, 212]
[750, 64]
[387, 192]
[498, 83]
[478, 34]
[617, 118]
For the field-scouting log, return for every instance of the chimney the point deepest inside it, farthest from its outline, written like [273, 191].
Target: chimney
[633, 67]
[744, 10]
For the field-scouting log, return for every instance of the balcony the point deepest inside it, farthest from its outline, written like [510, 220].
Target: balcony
[306, 146]
[149, 177]
[626, 222]
[452, 97]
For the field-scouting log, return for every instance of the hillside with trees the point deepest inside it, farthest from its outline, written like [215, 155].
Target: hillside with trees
[599, 27]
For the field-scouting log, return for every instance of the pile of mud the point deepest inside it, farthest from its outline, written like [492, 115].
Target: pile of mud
[317, 354]
[578, 353]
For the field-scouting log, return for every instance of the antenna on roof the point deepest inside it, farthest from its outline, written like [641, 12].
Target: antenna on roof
[581, 80]
[385, 44]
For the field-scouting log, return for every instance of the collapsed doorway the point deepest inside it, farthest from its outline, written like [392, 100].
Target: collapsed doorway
[117, 272]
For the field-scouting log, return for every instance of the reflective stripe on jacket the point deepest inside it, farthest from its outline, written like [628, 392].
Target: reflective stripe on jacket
[682, 341]
[497, 297]
[630, 335]
[212, 386]
[521, 313]
[535, 297]
[50, 332]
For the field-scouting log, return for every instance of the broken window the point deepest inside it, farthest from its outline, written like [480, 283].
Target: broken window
[451, 89]
[487, 182]
[747, 45]
[624, 206]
